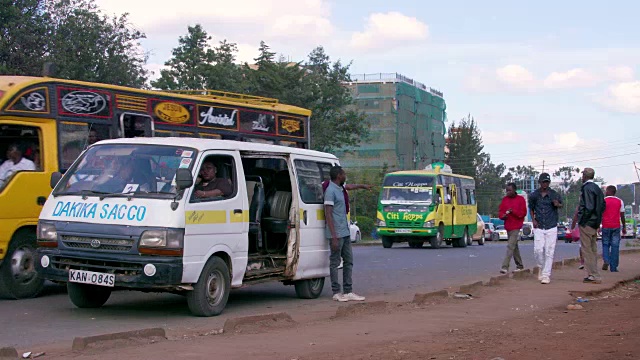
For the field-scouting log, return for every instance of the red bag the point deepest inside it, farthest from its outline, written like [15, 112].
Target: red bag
[575, 234]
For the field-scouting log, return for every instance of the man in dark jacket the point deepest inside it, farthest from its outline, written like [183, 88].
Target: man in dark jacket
[590, 212]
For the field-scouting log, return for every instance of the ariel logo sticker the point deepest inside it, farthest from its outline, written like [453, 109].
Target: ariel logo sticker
[172, 113]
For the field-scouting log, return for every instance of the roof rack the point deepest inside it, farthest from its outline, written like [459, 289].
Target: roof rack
[226, 95]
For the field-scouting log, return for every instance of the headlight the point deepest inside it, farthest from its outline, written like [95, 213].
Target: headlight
[168, 238]
[382, 223]
[47, 231]
[429, 224]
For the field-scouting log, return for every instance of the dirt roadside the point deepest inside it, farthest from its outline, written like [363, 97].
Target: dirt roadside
[518, 319]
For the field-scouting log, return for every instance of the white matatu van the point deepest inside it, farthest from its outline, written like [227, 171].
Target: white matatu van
[126, 215]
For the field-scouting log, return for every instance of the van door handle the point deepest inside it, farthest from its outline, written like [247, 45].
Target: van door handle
[237, 211]
[41, 200]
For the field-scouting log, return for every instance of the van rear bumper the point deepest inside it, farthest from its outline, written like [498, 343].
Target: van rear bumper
[404, 231]
[129, 269]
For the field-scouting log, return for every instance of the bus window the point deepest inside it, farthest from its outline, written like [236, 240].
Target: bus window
[135, 125]
[22, 144]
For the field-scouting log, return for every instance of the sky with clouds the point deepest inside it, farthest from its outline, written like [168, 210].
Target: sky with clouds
[552, 81]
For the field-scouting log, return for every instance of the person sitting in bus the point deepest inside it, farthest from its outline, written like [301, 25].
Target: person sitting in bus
[15, 162]
[210, 186]
[93, 137]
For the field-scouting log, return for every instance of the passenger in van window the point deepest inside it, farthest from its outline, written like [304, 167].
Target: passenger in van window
[337, 231]
[211, 186]
[15, 163]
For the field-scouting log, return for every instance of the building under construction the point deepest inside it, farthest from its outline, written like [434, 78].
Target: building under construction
[407, 123]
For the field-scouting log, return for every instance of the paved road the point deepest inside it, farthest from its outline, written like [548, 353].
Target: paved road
[395, 273]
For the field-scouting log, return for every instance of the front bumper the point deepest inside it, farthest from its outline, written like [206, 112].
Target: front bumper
[127, 268]
[417, 232]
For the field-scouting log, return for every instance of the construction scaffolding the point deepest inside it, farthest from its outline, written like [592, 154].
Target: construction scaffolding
[407, 123]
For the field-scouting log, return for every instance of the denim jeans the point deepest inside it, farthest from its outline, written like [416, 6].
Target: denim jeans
[344, 252]
[611, 247]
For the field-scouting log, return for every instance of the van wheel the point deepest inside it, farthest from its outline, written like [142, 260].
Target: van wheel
[18, 276]
[310, 288]
[469, 239]
[462, 241]
[386, 242]
[436, 241]
[481, 240]
[87, 296]
[210, 294]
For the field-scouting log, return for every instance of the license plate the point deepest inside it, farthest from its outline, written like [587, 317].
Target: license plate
[93, 278]
[403, 231]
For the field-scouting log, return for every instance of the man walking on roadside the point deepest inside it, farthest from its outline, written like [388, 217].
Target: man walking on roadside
[513, 210]
[337, 231]
[592, 206]
[544, 204]
[611, 219]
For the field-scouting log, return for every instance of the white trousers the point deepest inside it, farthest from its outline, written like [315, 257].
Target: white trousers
[544, 246]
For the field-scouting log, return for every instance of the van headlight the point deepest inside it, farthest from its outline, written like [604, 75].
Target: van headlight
[166, 238]
[382, 223]
[429, 224]
[47, 231]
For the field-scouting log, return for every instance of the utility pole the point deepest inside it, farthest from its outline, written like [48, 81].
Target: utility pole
[636, 167]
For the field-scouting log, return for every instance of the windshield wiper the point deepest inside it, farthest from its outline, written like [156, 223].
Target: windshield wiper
[84, 193]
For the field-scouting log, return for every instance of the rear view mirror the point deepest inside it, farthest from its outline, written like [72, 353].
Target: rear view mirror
[184, 179]
[55, 178]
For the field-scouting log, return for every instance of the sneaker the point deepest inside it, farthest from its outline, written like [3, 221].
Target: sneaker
[339, 297]
[592, 280]
[341, 264]
[352, 297]
[605, 266]
[518, 270]
[545, 280]
[581, 267]
[503, 271]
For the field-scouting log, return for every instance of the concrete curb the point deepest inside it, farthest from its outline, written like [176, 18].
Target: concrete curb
[469, 288]
[522, 275]
[232, 324]
[557, 265]
[9, 353]
[580, 293]
[81, 343]
[422, 298]
[360, 308]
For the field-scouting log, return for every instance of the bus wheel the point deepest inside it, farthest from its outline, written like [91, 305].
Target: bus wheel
[310, 288]
[387, 242]
[436, 241]
[462, 241]
[87, 296]
[469, 239]
[210, 294]
[18, 276]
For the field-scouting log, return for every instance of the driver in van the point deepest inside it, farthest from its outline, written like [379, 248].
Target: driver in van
[15, 162]
[211, 186]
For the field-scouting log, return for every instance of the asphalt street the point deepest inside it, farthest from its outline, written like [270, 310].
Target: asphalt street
[395, 273]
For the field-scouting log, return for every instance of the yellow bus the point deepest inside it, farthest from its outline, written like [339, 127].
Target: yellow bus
[46, 123]
[433, 205]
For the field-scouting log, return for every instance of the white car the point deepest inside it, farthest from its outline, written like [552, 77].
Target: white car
[502, 233]
[355, 232]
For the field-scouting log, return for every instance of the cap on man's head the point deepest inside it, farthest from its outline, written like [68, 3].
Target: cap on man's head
[544, 177]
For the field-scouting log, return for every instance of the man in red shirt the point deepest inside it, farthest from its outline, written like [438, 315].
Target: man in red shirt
[611, 218]
[513, 210]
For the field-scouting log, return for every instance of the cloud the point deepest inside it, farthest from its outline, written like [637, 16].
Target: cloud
[622, 97]
[620, 73]
[392, 29]
[516, 76]
[574, 78]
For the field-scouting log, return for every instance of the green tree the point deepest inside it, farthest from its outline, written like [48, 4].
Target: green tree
[569, 187]
[465, 147]
[490, 184]
[521, 175]
[191, 64]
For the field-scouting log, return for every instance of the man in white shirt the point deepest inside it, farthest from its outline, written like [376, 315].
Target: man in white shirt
[14, 163]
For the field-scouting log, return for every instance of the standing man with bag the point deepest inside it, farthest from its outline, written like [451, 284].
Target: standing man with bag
[590, 212]
[513, 210]
[544, 204]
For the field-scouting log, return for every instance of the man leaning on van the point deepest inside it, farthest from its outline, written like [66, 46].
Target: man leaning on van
[337, 231]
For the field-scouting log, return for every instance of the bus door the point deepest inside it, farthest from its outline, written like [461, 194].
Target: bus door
[135, 125]
[454, 200]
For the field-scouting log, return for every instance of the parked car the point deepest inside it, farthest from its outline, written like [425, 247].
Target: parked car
[502, 233]
[526, 233]
[481, 233]
[356, 236]
[490, 233]
[562, 232]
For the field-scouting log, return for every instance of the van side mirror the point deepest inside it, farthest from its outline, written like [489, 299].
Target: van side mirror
[436, 199]
[184, 179]
[55, 178]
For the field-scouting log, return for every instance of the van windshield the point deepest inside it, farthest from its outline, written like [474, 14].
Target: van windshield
[399, 189]
[126, 170]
